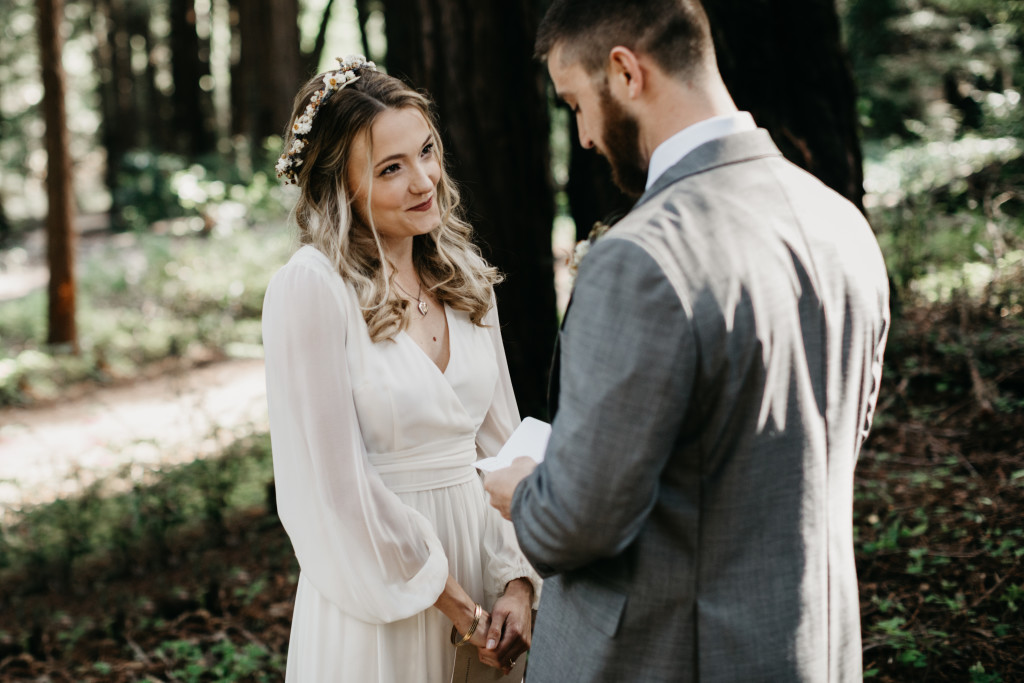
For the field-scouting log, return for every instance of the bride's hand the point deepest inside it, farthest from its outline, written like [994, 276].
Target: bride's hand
[510, 628]
[479, 637]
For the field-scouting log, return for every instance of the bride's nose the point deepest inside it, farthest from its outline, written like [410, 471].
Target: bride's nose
[422, 180]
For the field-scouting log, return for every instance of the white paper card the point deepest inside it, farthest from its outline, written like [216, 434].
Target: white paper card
[530, 439]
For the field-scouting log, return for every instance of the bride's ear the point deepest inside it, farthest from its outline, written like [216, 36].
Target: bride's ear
[625, 73]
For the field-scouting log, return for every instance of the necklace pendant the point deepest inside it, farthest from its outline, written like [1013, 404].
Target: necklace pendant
[423, 307]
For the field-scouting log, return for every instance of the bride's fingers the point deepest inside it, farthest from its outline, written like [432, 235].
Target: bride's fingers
[479, 638]
[488, 658]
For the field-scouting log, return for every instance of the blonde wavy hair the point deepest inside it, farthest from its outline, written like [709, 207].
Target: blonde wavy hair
[448, 262]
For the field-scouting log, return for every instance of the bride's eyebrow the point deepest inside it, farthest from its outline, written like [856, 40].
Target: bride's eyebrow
[402, 155]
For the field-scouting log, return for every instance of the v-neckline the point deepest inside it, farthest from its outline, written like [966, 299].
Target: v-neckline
[451, 345]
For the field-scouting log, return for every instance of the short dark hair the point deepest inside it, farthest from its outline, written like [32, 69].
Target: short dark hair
[675, 33]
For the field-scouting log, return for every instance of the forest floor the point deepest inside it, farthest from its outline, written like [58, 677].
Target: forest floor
[939, 511]
[174, 415]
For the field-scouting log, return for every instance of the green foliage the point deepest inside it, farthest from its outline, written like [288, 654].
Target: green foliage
[909, 55]
[941, 109]
[221, 662]
[218, 189]
[979, 675]
[144, 298]
[129, 519]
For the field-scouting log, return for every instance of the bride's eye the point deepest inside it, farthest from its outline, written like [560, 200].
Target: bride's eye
[390, 169]
[428, 150]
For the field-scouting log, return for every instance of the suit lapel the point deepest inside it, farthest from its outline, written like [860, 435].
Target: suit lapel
[731, 149]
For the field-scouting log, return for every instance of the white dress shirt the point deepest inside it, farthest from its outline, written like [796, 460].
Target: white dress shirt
[690, 138]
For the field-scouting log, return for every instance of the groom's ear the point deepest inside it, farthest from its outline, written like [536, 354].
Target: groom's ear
[626, 75]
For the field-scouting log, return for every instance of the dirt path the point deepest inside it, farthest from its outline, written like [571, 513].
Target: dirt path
[57, 450]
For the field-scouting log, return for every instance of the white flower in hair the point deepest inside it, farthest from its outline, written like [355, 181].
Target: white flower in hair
[303, 125]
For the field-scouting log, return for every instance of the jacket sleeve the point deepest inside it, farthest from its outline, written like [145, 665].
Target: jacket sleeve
[374, 557]
[628, 363]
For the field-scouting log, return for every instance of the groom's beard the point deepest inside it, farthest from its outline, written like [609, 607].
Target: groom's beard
[621, 142]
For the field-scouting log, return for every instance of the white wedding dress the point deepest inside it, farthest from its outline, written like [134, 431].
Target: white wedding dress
[373, 449]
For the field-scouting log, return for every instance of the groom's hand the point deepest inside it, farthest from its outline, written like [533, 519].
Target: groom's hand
[501, 484]
[511, 626]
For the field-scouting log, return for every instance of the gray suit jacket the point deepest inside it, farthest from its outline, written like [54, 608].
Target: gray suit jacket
[719, 370]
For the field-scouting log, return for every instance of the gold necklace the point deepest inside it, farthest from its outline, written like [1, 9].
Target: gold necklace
[420, 303]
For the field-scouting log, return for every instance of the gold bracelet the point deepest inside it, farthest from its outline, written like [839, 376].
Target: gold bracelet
[477, 613]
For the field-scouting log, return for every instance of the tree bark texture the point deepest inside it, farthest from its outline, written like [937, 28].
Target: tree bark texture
[60, 250]
[188, 66]
[475, 60]
[239, 102]
[113, 60]
[132, 108]
[270, 67]
[784, 61]
[153, 108]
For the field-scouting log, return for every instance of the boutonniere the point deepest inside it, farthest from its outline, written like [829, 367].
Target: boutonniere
[583, 246]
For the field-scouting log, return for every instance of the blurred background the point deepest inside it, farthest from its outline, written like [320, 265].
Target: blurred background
[140, 221]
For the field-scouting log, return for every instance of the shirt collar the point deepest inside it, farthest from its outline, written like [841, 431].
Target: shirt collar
[690, 138]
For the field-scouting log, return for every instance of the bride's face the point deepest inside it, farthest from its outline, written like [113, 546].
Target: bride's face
[403, 175]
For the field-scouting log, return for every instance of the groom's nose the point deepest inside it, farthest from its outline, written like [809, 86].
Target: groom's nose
[585, 140]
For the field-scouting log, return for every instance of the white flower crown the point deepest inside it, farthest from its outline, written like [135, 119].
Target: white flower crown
[290, 161]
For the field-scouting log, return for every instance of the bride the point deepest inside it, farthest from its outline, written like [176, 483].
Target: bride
[386, 380]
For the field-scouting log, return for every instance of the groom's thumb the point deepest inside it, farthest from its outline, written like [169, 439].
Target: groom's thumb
[494, 634]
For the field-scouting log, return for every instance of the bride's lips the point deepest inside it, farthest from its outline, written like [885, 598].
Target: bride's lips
[425, 206]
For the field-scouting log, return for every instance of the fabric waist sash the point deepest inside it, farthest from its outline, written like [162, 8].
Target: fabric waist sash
[429, 466]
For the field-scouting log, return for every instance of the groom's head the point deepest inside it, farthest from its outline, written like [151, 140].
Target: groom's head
[615, 62]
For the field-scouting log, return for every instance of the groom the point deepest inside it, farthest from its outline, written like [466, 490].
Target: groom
[719, 369]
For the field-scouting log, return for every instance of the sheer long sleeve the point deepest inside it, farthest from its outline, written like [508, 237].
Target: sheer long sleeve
[374, 557]
[505, 561]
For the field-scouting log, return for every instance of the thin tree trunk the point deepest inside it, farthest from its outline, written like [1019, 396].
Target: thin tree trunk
[283, 63]
[60, 249]
[312, 60]
[475, 60]
[5, 225]
[187, 68]
[145, 96]
[240, 48]
[113, 58]
[269, 68]
[362, 17]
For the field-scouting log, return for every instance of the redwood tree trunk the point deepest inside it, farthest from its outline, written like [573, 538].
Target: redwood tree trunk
[60, 250]
[187, 68]
[270, 66]
[475, 60]
[784, 61]
[284, 63]
[239, 102]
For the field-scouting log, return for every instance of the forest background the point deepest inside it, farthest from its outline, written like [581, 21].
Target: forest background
[154, 260]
